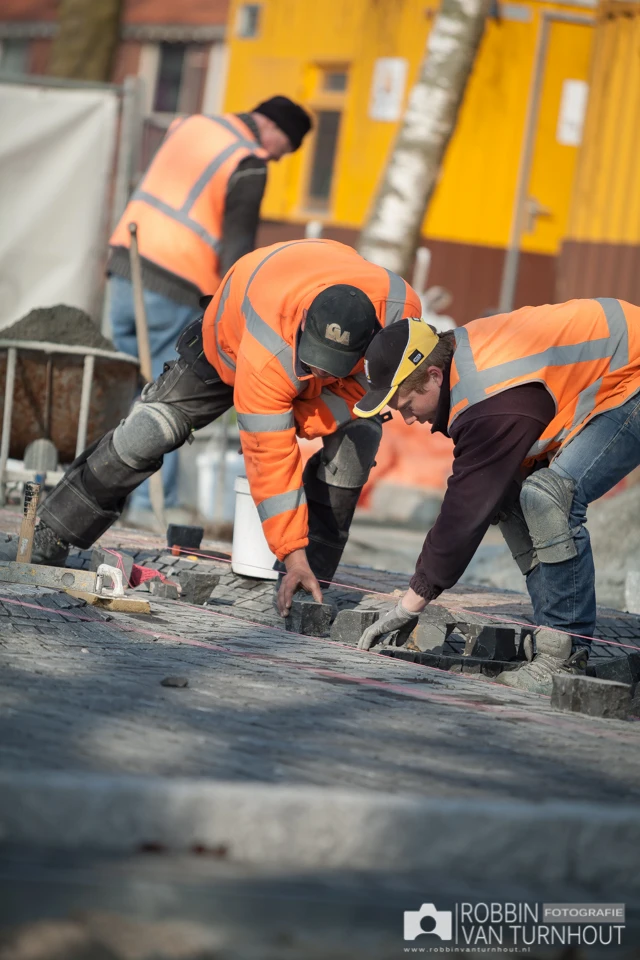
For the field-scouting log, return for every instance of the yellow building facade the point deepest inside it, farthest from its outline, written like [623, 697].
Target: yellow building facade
[352, 63]
[601, 252]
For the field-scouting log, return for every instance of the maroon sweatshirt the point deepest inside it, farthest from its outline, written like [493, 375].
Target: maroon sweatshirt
[491, 439]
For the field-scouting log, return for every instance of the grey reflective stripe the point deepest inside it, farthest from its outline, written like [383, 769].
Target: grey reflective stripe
[280, 503]
[224, 296]
[273, 253]
[468, 386]
[473, 384]
[338, 406]
[266, 335]
[586, 403]
[223, 122]
[266, 422]
[618, 331]
[271, 341]
[552, 357]
[396, 298]
[539, 447]
[584, 408]
[180, 216]
[211, 171]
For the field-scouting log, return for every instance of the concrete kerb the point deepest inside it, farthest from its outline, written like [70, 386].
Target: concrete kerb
[313, 828]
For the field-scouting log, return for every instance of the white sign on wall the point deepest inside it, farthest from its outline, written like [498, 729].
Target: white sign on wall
[387, 88]
[573, 105]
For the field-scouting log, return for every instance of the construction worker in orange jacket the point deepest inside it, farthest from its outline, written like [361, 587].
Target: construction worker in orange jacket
[197, 210]
[543, 406]
[282, 340]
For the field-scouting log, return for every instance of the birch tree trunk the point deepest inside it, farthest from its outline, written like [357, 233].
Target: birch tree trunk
[392, 232]
[87, 39]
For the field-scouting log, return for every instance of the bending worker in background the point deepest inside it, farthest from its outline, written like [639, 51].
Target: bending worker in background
[282, 341]
[543, 406]
[197, 210]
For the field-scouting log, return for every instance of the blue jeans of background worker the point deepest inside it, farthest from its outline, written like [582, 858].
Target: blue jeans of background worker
[166, 320]
[603, 453]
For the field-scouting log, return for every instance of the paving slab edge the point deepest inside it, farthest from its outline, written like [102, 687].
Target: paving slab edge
[308, 827]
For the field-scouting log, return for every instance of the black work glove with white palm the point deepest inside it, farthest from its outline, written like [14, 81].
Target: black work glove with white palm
[399, 619]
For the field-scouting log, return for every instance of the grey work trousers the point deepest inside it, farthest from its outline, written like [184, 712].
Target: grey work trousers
[93, 492]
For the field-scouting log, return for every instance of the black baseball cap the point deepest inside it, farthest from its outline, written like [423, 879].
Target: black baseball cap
[391, 356]
[341, 322]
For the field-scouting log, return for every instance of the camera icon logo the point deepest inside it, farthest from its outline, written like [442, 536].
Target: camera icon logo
[413, 922]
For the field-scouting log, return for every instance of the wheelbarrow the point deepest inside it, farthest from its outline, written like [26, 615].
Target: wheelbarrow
[68, 395]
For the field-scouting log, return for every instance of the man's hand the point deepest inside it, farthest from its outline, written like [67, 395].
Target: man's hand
[404, 615]
[299, 574]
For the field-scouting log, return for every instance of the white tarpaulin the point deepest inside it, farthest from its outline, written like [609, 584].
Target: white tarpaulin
[56, 159]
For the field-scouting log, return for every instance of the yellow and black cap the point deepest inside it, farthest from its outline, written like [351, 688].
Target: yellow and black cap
[392, 355]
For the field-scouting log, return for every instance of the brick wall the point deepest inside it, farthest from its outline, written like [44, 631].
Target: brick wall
[205, 12]
[28, 9]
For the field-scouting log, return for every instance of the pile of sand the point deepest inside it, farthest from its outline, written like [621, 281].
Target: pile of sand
[59, 324]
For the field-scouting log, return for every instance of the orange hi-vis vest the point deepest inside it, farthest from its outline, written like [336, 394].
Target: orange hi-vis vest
[250, 331]
[585, 352]
[179, 205]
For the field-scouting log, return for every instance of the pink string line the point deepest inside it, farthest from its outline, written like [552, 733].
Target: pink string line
[452, 603]
[375, 593]
[415, 693]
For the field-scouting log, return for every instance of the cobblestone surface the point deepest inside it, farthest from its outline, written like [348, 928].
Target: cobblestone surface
[81, 690]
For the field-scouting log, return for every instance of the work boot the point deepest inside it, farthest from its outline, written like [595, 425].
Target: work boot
[553, 655]
[47, 547]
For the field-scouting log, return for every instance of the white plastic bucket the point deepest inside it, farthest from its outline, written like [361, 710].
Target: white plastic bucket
[209, 497]
[250, 553]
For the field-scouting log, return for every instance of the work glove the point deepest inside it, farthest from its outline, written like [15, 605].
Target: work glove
[396, 619]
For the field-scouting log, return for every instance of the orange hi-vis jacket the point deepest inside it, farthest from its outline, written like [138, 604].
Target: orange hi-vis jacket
[585, 352]
[179, 205]
[250, 332]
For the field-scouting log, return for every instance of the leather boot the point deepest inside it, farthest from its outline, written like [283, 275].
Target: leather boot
[552, 655]
[48, 548]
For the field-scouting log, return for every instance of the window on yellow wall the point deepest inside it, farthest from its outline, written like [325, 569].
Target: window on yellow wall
[328, 89]
[324, 156]
[334, 81]
[248, 22]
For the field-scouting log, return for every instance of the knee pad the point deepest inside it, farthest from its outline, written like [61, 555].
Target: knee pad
[349, 453]
[517, 537]
[151, 430]
[73, 514]
[546, 499]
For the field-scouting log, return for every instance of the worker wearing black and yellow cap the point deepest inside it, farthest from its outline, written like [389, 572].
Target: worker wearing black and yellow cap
[533, 401]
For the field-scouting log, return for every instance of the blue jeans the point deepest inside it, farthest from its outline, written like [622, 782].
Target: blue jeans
[166, 320]
[603, 453]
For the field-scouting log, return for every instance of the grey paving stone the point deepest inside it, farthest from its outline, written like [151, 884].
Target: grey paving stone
[489, 642]
[590, 695]
[183, 535]
[431, 632]
[165, 591]
[196, 587]
[622, 669]
[310, 618]
[349, 625]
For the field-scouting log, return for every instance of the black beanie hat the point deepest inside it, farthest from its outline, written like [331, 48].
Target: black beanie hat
[289, 116]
